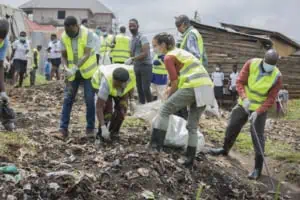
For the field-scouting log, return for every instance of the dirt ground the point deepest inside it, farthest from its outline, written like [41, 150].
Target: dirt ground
[74, 169]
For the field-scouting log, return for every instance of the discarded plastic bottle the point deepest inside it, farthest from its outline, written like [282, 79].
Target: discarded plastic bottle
[11, 169]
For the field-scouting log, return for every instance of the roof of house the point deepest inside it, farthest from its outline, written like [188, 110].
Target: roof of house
[93, 5]
[262, 32]
[264, 40]
[32, 26]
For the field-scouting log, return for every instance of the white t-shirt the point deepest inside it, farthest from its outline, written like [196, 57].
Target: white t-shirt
[233, 78]
[55, 51]
[96, 43]
[218, 78]
[20, 49]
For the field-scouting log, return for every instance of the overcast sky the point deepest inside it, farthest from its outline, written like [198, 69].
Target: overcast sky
[158, 15]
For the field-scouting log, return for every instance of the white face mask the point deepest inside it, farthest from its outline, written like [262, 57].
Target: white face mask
[217, 69]
[156, 51]
[267, 67]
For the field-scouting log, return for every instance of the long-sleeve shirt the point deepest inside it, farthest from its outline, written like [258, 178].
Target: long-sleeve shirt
[242, 81]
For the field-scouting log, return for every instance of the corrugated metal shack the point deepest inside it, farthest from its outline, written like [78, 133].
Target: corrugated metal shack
[228, 47]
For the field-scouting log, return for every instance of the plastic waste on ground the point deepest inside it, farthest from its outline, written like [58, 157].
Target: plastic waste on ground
[177, 134]
[213, 110]
[10, 169]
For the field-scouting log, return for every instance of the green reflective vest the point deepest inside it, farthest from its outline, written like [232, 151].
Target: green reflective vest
[121, 52]
[192, 74]
[38, 58]
[90, 66]
[194, 31]
[159, 69]
[2, 43]
[259, 85]
[105, 44]
[107, 72]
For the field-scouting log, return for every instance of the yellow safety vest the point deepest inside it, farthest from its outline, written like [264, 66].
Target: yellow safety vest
[194, 31]
[192, 74]
[38, 58]
[121, 52]
[105, 44]
[2, 43]
[159, 69]
[258, 87]
[107, 72]
[90, 66]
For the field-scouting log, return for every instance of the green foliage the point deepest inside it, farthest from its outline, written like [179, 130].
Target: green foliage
[40, 80]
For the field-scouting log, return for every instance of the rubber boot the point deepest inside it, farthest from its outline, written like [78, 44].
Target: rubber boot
[259, 161]
[157, 139]
[218, 152]
[190, 156]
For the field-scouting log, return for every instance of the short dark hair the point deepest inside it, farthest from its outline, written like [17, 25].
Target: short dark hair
[53, 35]
[39, 46]
[121, 74]
[122, 29]
[70, 21]
[166, 38]
[23, 33]
[134, 20]
[4, 28]
[84, 21]
[182, 19]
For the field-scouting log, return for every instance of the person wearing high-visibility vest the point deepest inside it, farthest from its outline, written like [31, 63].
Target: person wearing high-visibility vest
[120, 51]
[80, 63]
[35, 65]
[258, 84]
[159, 76]
[192, 40]
[106, 44]
[113, 83]
[190, 85]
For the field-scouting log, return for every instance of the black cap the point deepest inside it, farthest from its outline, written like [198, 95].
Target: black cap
[121, 74]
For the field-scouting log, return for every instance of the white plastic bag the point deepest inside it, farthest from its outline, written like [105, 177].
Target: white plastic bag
[105, 59]
[212, 110]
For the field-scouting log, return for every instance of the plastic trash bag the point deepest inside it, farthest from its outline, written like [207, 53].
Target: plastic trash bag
[213, 110]
[105, 60]
[177, 134]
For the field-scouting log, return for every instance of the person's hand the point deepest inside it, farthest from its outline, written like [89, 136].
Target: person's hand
[167, 92]
[253, 117]
[129, 61]
[246, 104]
[4, 96]
[105, 133]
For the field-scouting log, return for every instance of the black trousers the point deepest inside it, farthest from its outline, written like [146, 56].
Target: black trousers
[237, 120]
[143, 75]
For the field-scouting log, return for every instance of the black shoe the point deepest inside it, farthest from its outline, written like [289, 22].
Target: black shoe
[157, 139]
[64, 133]
[218, 152]
[190, 154]
[259, 161]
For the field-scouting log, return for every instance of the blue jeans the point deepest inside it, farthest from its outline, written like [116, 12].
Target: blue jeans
[69, 97]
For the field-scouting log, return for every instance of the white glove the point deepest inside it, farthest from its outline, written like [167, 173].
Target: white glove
[105, 133]
[70, 72]
[129, 61]
[132, 106]
[4, 96]
[253, 117]
[246, 104]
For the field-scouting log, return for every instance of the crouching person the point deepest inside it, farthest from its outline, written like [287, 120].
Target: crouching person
[114, 85]
[190, 86]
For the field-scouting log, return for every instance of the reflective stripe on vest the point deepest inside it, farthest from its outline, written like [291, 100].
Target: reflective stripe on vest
[38, 58]
[194, 31]
[90, 66]
[97, 78]
[192, 74]
[159, 69]
[121, 51]
[259, 85]
[105, 44]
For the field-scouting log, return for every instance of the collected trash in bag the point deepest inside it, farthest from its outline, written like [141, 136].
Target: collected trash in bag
[105, 59]
[177, 134]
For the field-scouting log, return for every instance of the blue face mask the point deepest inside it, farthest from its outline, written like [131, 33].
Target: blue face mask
[267, 67]
[98, 32]
[22, 38]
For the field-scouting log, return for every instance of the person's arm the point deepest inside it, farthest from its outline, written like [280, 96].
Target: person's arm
[242, 80]
[272, 95]
[35, 59]
[192, 46]
[13, 50]
[64, 57]
[99, 108]
[103, 95]
[173, 76]
[145, 49]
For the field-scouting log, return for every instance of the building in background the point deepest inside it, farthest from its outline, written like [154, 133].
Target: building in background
[54, 12]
